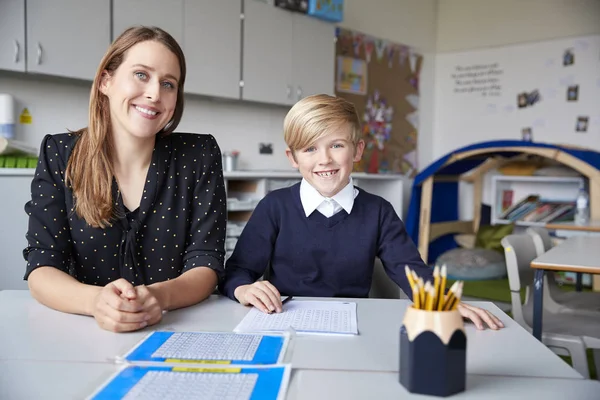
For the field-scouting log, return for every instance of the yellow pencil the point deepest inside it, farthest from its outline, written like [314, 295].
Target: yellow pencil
[442, 289]
[436, 286]
[431, 298]
[416, 297]
[458, 296]
[427, 297]
[409, 276]
[450, 296]
[421, 291]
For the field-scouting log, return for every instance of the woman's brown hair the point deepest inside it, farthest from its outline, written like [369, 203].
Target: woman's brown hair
[89, 170]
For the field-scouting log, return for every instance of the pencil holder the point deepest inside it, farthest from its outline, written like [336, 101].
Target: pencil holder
[433, 349]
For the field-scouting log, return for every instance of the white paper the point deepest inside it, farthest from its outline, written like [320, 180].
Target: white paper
[224, 346]
[320, 317]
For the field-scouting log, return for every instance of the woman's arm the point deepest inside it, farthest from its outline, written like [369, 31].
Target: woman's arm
[60, 291]
[188, 289]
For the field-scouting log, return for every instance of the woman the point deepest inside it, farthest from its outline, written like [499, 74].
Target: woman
[127, 219]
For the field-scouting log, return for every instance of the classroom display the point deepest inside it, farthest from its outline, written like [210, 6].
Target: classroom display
[542, 92]
[381, 78]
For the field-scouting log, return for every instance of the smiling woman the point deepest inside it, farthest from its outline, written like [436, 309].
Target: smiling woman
[127, 218]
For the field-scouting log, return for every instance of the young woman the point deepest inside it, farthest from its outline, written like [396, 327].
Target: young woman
[127, 219]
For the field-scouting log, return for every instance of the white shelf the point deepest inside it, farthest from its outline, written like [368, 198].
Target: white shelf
[17, 171]
[548, 188]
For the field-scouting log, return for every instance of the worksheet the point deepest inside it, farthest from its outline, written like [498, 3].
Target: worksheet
[209, 348]
[182, 383]
[304, 316]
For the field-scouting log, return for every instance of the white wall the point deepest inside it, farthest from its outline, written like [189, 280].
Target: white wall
[477, 24]
[470, 24]
[57, 105]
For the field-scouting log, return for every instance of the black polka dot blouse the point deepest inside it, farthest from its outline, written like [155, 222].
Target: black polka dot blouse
[179, 225]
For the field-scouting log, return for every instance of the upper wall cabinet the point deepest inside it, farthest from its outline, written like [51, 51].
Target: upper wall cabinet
[313, 64]
[267, 58]
[12, 35]
[169, 17]
[67, 37]
[212, 45]
[287, 56]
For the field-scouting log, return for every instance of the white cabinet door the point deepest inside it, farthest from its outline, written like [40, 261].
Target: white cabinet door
[212, 46]
[313, 64]
[267, 55]
[12, 235]
[167, 16]
[67, 37]
[12, 35]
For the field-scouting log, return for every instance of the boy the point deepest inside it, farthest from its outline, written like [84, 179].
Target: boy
[320, 237]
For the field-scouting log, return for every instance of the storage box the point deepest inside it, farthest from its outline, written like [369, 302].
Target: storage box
[300, 6]
[433, 352]
[329, 10]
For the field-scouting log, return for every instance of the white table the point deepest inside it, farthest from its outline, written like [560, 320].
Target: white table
[30, 331]
[577, 254]
[51, 380]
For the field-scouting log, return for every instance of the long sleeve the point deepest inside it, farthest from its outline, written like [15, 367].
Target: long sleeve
[48, 235]
[206, 233]
[396, 249]
[253, 250]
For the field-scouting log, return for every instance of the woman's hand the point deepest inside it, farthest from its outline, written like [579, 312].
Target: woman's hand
[261, 294]
[151, 306]
[479, 316]
[117, 308]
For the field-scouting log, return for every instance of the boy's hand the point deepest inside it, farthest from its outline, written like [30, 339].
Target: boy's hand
[479, 316]
[261, 294]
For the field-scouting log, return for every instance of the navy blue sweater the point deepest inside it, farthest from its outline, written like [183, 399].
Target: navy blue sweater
[319, 256]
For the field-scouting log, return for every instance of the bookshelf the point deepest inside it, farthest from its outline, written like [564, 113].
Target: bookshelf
[548, 188]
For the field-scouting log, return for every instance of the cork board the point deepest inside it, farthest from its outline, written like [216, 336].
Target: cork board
[382, 79]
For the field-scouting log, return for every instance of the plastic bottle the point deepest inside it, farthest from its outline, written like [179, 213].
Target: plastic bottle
[582, 211]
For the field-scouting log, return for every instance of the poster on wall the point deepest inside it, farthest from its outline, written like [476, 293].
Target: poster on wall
[382, 79]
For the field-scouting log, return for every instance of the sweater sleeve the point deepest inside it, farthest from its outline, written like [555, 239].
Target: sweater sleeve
[396, 249]
[253, 249]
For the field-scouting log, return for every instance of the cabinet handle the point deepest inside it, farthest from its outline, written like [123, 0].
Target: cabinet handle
[299, 93]
[39, 53]
[17, 51]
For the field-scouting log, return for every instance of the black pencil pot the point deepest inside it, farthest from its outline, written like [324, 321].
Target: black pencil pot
[433, 352]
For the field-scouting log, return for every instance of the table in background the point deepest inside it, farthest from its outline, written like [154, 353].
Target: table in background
[575, 254]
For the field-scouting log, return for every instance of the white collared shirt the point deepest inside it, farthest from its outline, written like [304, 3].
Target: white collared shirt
[328, 206]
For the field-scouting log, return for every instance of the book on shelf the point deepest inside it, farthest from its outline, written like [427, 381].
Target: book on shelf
[10, 146]
[533, 209]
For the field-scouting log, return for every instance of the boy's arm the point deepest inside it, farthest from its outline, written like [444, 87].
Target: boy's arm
[253, 249]
[396, 249]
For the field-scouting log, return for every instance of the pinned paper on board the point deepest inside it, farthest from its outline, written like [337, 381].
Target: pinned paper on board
[413, 99]
[351, 75]
[582, 124]
[381, 78]
[573, 93]
[568, 57]
[528, 99]
[413, 119]
[527, 134]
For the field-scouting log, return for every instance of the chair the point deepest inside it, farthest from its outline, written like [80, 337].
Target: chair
[567, 332]
[555, 299]
[382, 287]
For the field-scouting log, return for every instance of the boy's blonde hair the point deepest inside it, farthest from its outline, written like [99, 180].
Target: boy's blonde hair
[315, 116]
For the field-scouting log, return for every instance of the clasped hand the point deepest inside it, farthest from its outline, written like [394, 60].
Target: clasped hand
[121, 307]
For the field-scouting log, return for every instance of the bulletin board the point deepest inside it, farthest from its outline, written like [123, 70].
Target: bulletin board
[547, 92]
[382, 79]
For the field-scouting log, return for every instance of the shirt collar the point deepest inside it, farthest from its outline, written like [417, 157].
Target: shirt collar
[311, 198]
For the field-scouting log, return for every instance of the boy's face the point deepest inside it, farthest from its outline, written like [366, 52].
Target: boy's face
[327, 163]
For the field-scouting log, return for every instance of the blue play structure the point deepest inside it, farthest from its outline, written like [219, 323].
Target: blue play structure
[432, 217]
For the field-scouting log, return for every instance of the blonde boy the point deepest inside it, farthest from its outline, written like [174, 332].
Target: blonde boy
[320, 237]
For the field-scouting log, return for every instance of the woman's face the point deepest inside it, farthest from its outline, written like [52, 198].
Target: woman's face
[142, 91]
